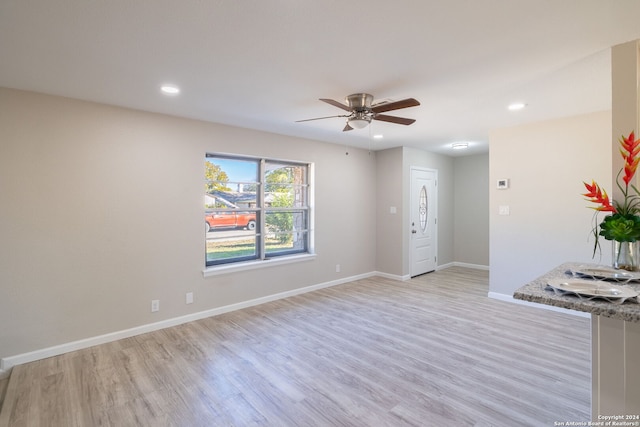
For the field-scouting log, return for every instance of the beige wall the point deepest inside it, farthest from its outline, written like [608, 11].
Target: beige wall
[394, 167]
[446, 192]
[390, 193]
[549, 223]
[463, 208]
[102, 211]
[471, 210]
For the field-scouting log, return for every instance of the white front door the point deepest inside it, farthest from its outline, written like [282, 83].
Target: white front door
[423, 221]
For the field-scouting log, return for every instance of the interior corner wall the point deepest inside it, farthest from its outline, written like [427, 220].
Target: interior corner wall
[549, 222]
[102, 211]
[471, 210]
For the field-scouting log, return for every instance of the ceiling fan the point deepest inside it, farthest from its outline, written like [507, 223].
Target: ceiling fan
[362, 110]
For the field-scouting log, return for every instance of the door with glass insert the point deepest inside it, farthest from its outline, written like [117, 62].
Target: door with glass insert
[423, 221]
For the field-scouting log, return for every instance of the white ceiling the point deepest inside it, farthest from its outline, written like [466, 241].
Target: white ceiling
[264, 64]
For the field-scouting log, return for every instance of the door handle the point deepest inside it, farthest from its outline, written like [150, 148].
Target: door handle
[413, 231]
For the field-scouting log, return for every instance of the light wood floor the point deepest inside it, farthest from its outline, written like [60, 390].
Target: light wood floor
[3, 388]
[432, 351]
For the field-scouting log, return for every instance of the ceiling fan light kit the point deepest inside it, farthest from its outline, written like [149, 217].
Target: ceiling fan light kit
[362, 110]
[359, 121]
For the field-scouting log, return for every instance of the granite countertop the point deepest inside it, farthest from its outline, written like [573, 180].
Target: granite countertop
[537, 291]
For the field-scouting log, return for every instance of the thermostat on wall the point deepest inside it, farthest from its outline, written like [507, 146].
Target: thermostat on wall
[503, 184]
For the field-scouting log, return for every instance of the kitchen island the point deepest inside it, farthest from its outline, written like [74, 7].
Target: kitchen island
[615, 343]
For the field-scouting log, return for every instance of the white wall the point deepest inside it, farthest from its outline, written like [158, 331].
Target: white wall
[471, 210]
[102, 211]
[549, 222]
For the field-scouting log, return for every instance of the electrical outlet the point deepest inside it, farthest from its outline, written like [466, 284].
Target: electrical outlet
[155, 305]
[337, 268]
[189, 298]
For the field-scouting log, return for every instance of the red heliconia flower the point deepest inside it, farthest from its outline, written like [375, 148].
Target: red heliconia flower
[626, 210]
[597, 195]
[630, 147]
[630, 144]
[630, 169]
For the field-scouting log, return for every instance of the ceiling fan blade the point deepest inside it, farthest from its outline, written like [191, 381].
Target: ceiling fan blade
[347, 127]
[336, 104]
[321, 118]
[393, 119]
[388, 106]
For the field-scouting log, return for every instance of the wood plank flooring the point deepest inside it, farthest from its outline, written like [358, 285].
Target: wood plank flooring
[431, 351]
[4, 382]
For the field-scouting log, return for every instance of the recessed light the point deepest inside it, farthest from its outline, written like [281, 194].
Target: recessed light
[516, 106]
[170, 89]
[378, 136]
[460, 145]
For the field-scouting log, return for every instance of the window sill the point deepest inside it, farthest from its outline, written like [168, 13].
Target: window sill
[254, 265]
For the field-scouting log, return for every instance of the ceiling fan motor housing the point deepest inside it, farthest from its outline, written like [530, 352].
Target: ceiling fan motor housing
[360, 101]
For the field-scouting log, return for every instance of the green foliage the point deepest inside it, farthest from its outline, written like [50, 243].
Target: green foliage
[220, 250]
[281, 222]
[279, 183]
[216, 178]
[621, 228]
[279, 180]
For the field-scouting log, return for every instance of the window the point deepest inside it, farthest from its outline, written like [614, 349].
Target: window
[255, 209]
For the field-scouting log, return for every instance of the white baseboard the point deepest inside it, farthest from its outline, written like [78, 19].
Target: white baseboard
[438, 268]
[462, 264]
[467, 265]
[8, 362]
[392, 276]
[509, 298]
[445, 266]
